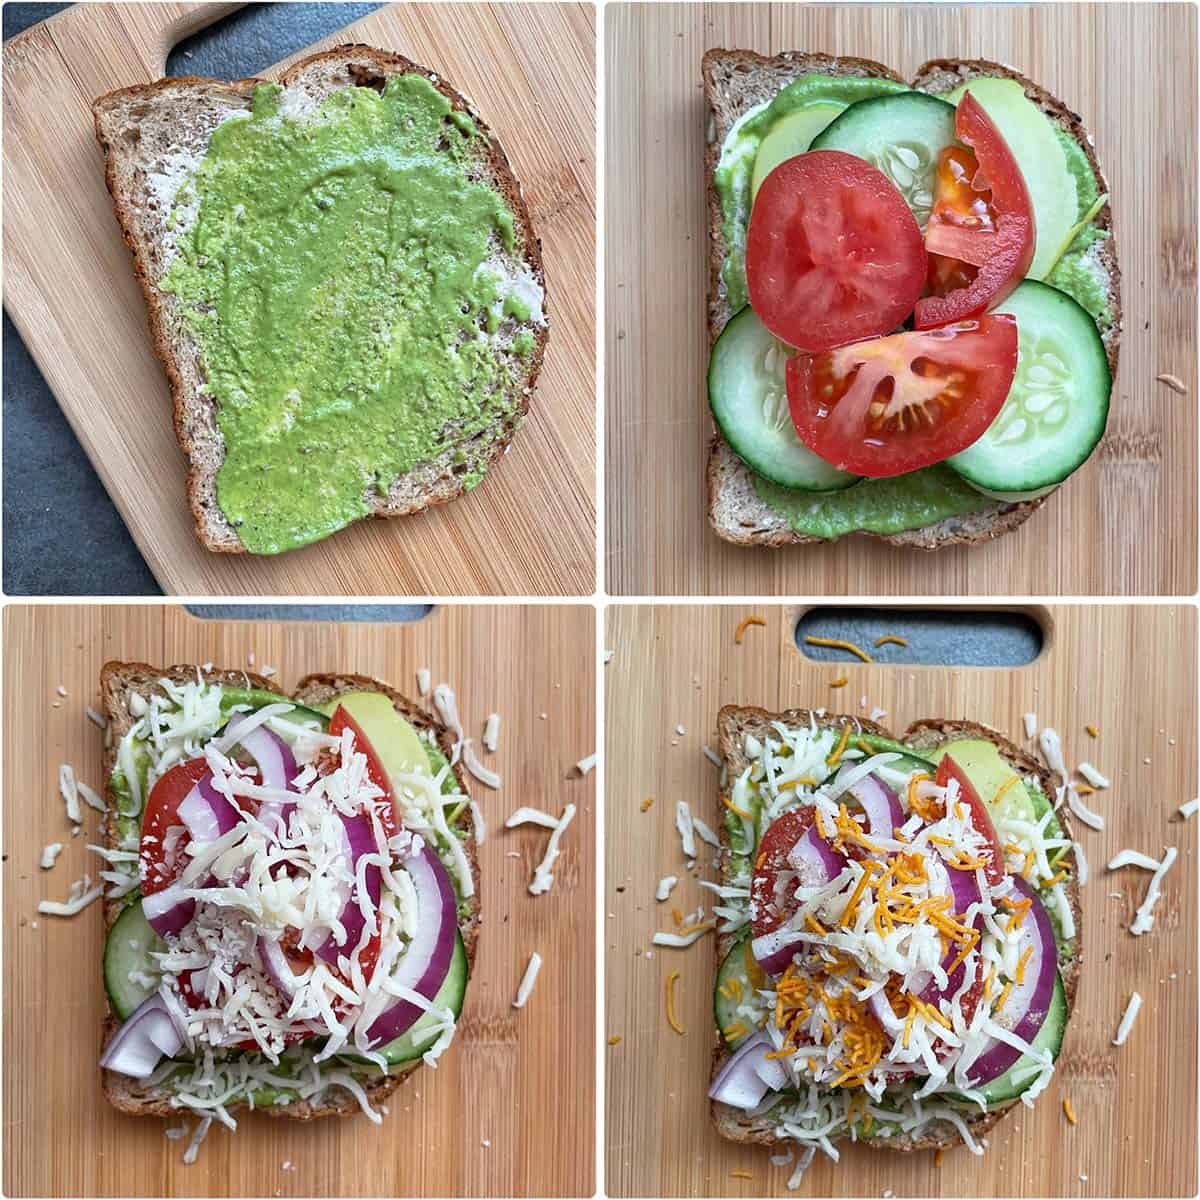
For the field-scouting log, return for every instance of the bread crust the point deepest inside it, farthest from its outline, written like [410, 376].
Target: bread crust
[733, 723]
[728, 481]
[194, 414]
[118, 681]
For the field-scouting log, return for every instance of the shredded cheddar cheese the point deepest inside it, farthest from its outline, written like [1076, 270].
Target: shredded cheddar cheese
[838, 644]
[670, 991]
[615, 1040]
[840, 749]
[649, 800]
[839, 682]
[890, 639]
[1092, 732]
[1069, 1111]
[733, 808]
[745, 624]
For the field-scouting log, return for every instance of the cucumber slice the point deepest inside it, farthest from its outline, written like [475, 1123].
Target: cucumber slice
[1018, 1078]
[789, 136]
[420, 1037]
[255, 698]
[1057, 406]
[727, 998]
[900, 135]
[127, 953]
[747, 390]
[908, 761]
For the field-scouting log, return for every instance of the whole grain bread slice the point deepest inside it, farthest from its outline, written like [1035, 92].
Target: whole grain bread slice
[734, 82]
[154, 135]
[119, 681]
[733, 724]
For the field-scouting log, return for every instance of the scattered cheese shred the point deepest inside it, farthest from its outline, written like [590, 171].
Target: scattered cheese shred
[672, 1020]
[1143, 921]
[1069, 1111]
[543, 879]
[615, 1040]
[491, 732]
[531, 816]
[525, 990]
[69, 791]
[53, 908]
[1092, 731]
[647, 803]
[740, 1175]
[745, 624]
[584, 765]
[485, 775]
[1189, 809]
[890, 639]
[1030, 720]
[681, 941]
[665, 884]
[1127, 1018]
[49, 854]
[1132, 858]
[1093, 776]
[687, 831]
[839, 644]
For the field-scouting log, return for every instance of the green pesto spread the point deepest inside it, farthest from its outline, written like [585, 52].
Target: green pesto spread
[875, 505]
[334, 277]
[922, 498]
[735, 167]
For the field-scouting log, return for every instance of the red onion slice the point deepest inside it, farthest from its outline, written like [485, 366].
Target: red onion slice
[740, 1082]
[276, 765]
[206, 813]
[168, 911]
[964, 887]
[815, 864]
[426, 961]
[879, 802]
[139, 1045]
[276, 967]
[1029, 1001]
[360, 840]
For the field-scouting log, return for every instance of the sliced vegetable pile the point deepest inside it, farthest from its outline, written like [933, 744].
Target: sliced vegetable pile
[895, 319]
[900, 924]
[295, 922]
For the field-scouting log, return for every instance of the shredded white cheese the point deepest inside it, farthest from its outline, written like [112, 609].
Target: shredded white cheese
[423, 681]
[1132, 858]
[491, 732]
[525, 990]
[1030, 720]
[1088, 816]
[531, 816]
[584, 765]
[1130, 1015]
[665, 884]
[478, 824]
[485, 775]
[69, 790]
[713, 757]
[543, 878]
[1189, 809]
[1093, 776]
[686, 827]
[69, 908]
[1143, 921]
[679, 941]
[706, 834]
[49, 854]
[97, 719]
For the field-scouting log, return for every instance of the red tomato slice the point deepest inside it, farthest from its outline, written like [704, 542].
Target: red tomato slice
[982, 216]
[948, 769]
[162, 812]
[895, 404]
[833, 254]
[389, 818]
[772, 909]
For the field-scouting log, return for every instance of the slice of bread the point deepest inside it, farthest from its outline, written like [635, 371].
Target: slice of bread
[734, 82]
[154, 136]
[118, 683]
[733, 724]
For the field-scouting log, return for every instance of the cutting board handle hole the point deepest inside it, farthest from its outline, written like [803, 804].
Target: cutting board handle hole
[379, 614]
[927, 637]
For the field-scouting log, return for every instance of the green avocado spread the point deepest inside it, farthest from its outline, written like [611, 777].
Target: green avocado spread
[336, 277]
[905, 502]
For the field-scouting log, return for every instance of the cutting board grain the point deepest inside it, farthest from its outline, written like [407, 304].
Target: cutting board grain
[477, 1126]
[529, 530]
[1125, 525]
[1130, 671]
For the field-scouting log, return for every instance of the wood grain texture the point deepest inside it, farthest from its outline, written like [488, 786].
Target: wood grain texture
[1130, 70]
[507, 1070]
[1128, 669]
[530, 528]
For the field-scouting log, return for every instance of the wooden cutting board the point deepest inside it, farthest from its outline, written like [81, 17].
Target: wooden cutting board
[509, 1110]
[1128, 670]
[1125, 524]
[70, 290]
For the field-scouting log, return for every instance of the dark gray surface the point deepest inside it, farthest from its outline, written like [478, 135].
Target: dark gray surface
[378, 613]
[62, 534]
[936, 637]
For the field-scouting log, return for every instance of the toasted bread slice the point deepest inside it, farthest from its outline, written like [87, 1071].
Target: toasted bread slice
[737, 80]
[118, 682]
[733, 724]
[154, 136]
